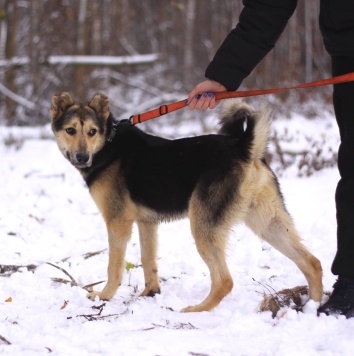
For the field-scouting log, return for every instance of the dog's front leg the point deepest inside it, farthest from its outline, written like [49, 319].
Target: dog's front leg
[119, 233]
[148, 247]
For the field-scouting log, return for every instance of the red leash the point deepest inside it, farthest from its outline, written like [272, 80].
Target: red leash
[165, 109]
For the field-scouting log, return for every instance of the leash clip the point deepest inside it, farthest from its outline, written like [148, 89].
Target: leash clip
[115, 125]
[113, 132]
[125, 122]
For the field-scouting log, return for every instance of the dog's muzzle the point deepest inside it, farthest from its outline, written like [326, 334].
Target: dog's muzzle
[82, 160]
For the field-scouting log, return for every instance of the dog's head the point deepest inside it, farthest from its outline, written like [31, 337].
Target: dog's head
[80, 130]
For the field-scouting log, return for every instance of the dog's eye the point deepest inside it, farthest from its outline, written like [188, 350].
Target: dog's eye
[70, 131]
[92, 132]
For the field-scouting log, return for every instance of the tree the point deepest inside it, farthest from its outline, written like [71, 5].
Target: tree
[9, 26]
[184, 33]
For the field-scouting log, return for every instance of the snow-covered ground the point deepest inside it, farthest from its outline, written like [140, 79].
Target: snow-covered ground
[47, 215]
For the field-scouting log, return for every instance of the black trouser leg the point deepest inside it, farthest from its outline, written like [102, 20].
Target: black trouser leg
[343, 101]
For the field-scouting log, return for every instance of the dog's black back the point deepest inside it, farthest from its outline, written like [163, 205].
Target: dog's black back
[173, 168]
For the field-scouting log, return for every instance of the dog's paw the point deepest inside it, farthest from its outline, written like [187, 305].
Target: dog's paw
[92, 296]
[197, 308]
[148, 292]
[191, 309]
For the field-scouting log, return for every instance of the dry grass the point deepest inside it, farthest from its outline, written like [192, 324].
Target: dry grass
[290, 298]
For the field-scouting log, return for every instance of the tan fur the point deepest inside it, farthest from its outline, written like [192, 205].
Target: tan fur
[257, 202]
[263, 126]
[71, 146]
[60, 103]
[148, 247]
[81, 142]
[100, 104]
[104, 191]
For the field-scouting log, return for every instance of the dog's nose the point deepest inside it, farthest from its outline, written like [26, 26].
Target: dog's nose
[82, 158]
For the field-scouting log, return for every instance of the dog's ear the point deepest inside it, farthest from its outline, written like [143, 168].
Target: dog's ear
[60, 102]
[100, 103]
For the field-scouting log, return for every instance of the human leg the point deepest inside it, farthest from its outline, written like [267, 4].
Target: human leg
[342, 298]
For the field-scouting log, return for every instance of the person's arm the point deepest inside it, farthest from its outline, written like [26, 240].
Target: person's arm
[260, 25]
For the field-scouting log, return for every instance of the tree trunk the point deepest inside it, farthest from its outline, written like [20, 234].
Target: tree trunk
[188, 59]
[80, 72]
[308, 9]
[10, 51]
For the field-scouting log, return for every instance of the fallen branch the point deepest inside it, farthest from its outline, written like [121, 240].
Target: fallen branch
[17, 98]
[269, 289]
[89, 287]
[72, 282]
[8, 270]
[97, 316]
[92, 254]
[85, 255]
[178, 326]
[84, 60]
[4, 341]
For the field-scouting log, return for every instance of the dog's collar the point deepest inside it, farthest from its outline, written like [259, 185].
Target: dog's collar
[115, 125]
[113, 131]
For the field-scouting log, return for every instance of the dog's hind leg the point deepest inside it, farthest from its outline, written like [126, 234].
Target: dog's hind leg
[148, 246]
[119, 233]
[211, 245]
[269, 219]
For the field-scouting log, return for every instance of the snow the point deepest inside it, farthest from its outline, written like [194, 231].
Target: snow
[93, 60]
[47, 215]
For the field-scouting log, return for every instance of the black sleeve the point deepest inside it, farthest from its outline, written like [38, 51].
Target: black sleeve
[337, 27]
[260, 25]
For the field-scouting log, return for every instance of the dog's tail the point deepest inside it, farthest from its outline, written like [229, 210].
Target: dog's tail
[252, 141]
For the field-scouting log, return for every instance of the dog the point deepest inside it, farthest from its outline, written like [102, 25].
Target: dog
[216, 180]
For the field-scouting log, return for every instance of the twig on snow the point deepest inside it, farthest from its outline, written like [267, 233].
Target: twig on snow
[73, 282]
[97, 316]
[8, 270]
[4, 341]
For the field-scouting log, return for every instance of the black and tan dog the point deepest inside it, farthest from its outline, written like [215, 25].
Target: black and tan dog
[215, 180]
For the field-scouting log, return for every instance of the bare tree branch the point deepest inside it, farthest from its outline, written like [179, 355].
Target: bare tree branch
[16, 98]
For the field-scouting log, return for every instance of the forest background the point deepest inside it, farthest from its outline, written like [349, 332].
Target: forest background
[142, 53]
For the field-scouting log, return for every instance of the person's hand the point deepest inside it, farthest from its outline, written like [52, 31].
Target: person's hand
[202, 97]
